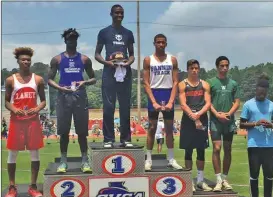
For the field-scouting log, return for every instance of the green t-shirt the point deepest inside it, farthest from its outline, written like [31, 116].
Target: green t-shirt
[223, 93]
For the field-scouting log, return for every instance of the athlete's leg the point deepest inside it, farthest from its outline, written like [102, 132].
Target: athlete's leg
[64, 117]
[267, 164]
[153, 117]
[215, 131]
[168, 125]
[200, 163]
[188, 158]
[254, 170]
[124, 99]
[81, 118]
[109, 104]
[12, 156]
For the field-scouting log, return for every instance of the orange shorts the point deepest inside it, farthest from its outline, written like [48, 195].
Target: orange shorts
[25, 134]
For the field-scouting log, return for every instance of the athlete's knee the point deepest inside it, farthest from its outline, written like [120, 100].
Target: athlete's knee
[227, 147]
[216, 148]
[82, 137]
[188, 155]
[64, 136]
[152, 128]
[34, 155]
[12, 156]
[201, 154]
[254, 178]
[269, 178]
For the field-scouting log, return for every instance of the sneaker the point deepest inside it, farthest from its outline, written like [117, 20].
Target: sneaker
[148, 165]
[62, 167]
[86, 167]
[226, 185]
[108, 145]
[128, 144]
[34, 192]
[218, 187]
[193, 187]
[173, 164]
[12, 191]
[204, 186]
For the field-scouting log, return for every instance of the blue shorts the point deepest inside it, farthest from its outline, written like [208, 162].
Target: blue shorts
[161, 95]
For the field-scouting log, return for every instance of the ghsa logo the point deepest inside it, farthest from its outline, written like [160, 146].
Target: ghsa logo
[117, 189]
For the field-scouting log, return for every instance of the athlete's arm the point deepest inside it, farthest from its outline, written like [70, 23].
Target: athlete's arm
[89, 70]
[41, 92]
[8, 93]
[131, 54]
[183, 100]
[146, 79]
[244, 124]
[206, 107]
[235, 107]
[236, 103]
[98, 51]
[175, 82]
[54, 66]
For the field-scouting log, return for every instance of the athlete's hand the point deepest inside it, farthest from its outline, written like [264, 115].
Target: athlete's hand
[32, 111]
[222, 117]
[194, 116]
[169, 107]
[80, 84]
[110, 63]
[157, 107]
[19, 112]
[263, 123]
[66, 89]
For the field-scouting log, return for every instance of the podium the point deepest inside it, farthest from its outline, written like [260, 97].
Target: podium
[120, 172]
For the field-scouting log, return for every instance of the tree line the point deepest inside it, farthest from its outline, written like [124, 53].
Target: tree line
[246, 78]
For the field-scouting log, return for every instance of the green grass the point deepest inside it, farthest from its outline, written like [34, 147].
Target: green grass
[239, 174]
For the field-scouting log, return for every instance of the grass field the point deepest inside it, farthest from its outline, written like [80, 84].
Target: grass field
[238, 176]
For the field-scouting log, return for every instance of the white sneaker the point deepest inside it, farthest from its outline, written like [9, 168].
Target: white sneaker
[148, 165]
[218, 187]
[226, 185]
[204, 186]
[108, 145]
[173, 164]
[128, 144]
[193, 187]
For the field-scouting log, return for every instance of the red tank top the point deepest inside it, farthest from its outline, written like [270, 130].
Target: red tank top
[24, 96]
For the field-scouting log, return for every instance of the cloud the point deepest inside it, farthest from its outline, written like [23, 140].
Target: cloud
[244, 46]
[43, 53]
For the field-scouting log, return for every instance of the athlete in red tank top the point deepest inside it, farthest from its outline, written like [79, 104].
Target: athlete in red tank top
[25, 130]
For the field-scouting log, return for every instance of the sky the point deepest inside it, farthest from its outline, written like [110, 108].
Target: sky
[199, 30]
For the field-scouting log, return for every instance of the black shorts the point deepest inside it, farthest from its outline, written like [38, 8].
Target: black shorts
[160, 141]
[220, 131]
[75, 104]
[190, 137]
[260, 157]
[167, 115]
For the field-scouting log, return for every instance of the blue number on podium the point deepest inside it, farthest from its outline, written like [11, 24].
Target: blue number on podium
[170, 183]
[118, 165]
[68, 192]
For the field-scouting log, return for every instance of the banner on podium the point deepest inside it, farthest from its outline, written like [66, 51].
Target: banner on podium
[137, 186]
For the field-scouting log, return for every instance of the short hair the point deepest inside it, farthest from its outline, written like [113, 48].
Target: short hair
[23, 51]
[191, 62]
[70, 31]
[219, 59]
[115, 6]
[263, 81]
[160, 36]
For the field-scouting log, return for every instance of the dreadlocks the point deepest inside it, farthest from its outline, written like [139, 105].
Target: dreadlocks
[70, 32]
[23, 51]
